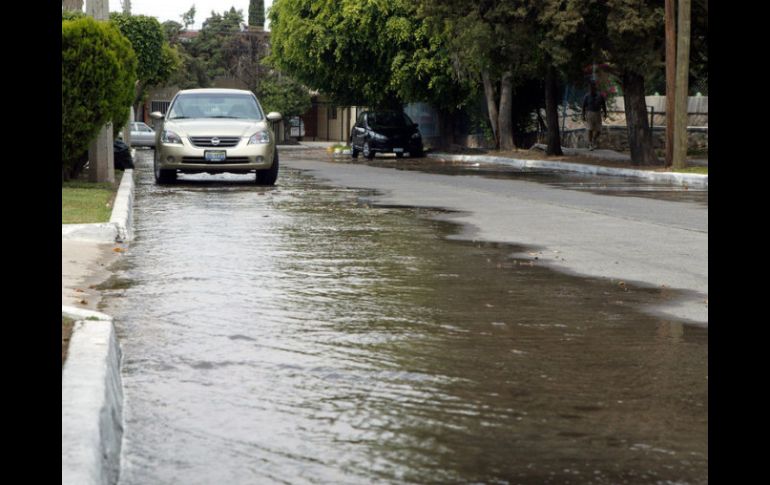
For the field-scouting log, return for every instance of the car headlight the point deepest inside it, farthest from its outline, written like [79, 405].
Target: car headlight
[168, 136]
[416, 136]
[260, 137]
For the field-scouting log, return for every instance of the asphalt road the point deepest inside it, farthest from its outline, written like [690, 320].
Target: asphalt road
[634, 240]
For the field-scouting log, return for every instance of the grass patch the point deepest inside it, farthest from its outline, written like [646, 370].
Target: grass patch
[700, 170]
[66, 334]
[84, 202]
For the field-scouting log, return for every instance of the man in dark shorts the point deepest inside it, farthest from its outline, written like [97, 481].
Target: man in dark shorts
[593, 107]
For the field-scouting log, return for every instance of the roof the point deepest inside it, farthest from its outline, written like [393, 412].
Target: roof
[214, 91]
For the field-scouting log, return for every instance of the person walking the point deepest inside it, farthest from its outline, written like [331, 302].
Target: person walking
[593, 108]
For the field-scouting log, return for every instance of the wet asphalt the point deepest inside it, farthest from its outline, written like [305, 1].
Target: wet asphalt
[303, 334]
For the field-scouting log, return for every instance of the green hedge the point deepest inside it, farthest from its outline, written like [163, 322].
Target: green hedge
[98, 77]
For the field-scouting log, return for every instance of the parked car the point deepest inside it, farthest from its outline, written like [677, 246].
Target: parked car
[215, 131]
[122, 155]
[385, 132]
[142, 135]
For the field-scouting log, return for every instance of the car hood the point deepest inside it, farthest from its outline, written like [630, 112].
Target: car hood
[214, 127]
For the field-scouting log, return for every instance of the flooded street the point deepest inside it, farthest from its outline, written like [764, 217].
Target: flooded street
[300, 334]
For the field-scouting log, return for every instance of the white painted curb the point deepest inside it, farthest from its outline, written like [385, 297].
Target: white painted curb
[119, 229]
[92, 401]
[688, 179]
[122, 208]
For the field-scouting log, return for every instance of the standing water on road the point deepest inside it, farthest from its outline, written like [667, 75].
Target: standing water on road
[295, 334]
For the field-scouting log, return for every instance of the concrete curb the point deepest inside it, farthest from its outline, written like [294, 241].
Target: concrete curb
[688, 179]
[119, 229]
[123, 207]
[92, 401]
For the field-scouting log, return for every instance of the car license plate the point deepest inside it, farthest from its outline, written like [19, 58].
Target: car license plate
[215, 156]
[398, 150]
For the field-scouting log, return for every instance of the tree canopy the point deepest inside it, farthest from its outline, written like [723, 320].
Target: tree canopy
[366, 52]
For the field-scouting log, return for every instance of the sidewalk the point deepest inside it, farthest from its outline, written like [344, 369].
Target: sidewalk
[610, 155]
[92, 392]
[83, 265]
[581, 160]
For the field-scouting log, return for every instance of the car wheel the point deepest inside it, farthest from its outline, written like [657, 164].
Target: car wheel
[368, 152]
[418, 153]
[269, 176]
[163, 176]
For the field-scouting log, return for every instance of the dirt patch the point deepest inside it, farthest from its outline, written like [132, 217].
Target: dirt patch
[66, 335]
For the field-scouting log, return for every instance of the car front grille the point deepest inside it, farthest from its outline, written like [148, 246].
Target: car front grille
[226, 161]
[205, 141]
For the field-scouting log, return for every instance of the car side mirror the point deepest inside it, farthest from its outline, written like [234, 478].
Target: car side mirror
[157, 115]
[274, 117]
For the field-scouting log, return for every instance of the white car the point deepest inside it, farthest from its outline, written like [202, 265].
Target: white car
[142, 135]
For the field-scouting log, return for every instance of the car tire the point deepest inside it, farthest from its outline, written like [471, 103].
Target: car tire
[368, 152]
[418, 153]
[269, 176]
[163, 176]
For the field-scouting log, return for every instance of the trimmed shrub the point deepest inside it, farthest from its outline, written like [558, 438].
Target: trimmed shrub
[98, 76]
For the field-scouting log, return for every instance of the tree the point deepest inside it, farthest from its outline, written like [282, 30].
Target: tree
[631, 37]
[172, 30]
[284, 95]
[156, 60]
[207, 47]
[188, 18]
[365, 52]
[98, 74]
[257, 13]
[492, 43]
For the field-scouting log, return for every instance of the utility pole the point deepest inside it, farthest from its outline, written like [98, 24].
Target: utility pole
[101, 159]
[670, 79]
[682, 72]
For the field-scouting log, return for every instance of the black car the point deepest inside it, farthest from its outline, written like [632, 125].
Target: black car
[385, 132]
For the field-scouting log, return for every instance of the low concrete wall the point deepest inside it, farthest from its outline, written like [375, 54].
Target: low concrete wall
[92, 402]
[616, 138]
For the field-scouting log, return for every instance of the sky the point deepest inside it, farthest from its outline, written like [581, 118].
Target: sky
[173, 9]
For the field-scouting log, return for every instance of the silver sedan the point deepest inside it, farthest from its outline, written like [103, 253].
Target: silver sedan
[215, 131]
[142, 135]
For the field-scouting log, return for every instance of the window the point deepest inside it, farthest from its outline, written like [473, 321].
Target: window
[161, 106]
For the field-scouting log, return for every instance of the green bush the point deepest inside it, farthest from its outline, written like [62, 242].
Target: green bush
[98, 76]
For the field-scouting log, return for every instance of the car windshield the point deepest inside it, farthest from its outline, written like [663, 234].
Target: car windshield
[210, 105]
[389, 120]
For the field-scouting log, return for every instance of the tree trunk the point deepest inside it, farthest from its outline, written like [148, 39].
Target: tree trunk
[670, 79]
[446, 128]
[552, 113]
[682, 71]
[489, 93]
[639, 132]
[505, 117]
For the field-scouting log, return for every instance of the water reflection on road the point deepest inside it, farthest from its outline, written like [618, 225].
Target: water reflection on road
[297, 335]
